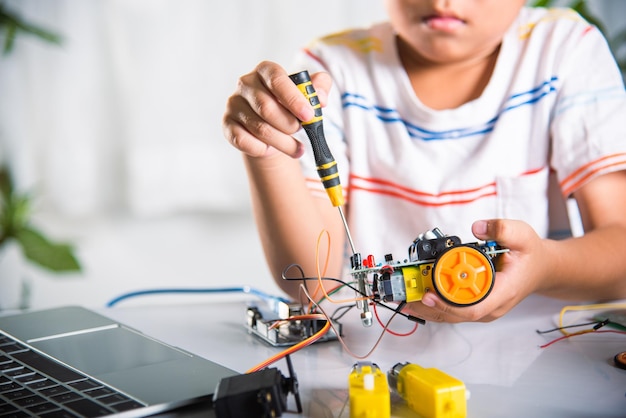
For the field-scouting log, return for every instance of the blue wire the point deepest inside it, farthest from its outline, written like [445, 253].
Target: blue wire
[242, 289]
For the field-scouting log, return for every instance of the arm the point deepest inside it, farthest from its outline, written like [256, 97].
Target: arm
[290, 219]
[260, 118]
[591, 267]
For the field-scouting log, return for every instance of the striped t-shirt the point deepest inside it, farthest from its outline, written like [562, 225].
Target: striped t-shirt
[555, 104]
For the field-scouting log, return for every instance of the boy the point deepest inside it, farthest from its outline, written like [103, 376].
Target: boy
[453, 113]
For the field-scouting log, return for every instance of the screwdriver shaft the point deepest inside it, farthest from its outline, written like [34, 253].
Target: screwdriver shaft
[345, 225]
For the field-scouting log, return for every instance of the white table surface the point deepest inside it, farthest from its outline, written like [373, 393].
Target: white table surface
[501, 364]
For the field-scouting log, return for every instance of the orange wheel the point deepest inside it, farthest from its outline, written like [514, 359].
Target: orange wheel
[463, 275]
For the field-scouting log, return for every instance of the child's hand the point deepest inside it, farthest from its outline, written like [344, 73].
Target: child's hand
[520, 271]
[266, 109]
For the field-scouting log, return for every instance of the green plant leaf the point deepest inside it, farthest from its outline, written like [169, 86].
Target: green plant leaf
[15, 213]
[14, 208]
[542, 3]
[51, 256]
[9, 37]
[14, 24]
[6, 183]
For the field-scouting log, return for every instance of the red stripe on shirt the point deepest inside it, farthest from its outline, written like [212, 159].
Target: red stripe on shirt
[391, 189]
[588, 171]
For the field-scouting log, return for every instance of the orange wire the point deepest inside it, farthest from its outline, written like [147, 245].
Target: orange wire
[320, 285]
[340, 339]
[317, 258]
[297, 346]
[324, 316]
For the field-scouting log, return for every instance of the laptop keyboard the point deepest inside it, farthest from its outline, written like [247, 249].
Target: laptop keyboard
[32, 385]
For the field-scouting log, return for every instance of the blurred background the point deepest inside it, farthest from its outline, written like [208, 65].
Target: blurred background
[113, 131]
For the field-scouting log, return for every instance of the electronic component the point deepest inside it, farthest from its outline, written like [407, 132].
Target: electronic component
[271, 325]
[260, 394]
[360, 277]
[616, 318]
[620, 360]
[461, 274]
[368, 391]
[429, 392]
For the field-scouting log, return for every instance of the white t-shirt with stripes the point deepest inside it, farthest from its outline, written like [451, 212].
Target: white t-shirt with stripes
[555, 104]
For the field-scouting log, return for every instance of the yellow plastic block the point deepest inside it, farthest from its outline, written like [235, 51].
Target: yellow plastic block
[431, 392]
[369, 392]
[413, 283]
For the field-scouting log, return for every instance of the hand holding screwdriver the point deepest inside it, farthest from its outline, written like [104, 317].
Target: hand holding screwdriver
[326, 164]
[314, 128]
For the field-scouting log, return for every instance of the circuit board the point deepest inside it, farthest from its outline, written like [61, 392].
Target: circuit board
[271, 325]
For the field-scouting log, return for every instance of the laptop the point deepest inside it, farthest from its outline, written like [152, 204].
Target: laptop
[74, 362]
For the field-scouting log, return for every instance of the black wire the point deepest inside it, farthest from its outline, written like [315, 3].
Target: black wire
[302, 276]
[597, 324]
[297, 266]
[396, 310]
[293, 383]
[343, 309]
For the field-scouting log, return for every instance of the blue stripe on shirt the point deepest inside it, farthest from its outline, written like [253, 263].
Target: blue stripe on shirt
[388, 115]
[590, 97]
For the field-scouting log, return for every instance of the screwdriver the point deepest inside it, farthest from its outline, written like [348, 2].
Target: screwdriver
[329, 174]
[324, 160]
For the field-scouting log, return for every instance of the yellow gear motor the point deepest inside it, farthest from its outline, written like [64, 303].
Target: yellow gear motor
[369, 392]
[429, 392]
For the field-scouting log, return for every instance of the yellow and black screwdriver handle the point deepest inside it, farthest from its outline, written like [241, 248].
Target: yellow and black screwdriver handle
[324, 160]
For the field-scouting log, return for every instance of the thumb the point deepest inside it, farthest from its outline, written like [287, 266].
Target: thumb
[500, 230]
[504, 231]
[482, 229]
[322, 82]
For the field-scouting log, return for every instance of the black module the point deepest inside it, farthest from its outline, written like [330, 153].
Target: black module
[259, 394]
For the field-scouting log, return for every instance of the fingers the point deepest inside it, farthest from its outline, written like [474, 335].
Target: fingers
[276, 96]
[506, 232]
[251, 134]
[322, 83]
[266, 109]
[516, 275]
[255, 121]
[433, 308]
[515, 280]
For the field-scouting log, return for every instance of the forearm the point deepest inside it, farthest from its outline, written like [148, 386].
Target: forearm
[290, 219]
[591, 267]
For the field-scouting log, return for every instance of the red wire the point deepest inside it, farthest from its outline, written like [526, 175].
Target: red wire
[397, 334]
[580, 333]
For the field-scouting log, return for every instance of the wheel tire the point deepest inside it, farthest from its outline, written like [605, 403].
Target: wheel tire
[463, 275]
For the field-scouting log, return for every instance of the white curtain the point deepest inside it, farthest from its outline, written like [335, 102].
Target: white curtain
[125, 115]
